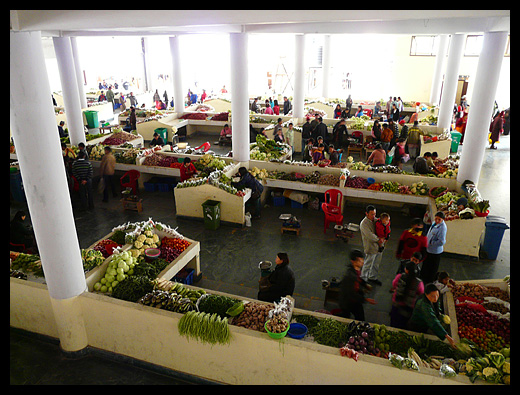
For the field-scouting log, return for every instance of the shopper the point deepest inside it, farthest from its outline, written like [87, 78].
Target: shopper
[376, 131]
[436, 239]
[110, 97]
[156, 96]
[278, 135]
[278, 126]
[306, 132]
[359, 111]
[107, 169]
[133, 119]
[62, 131]
[280, 282]
[321, 130]
[412, 240]
[496, 129]
[340, 134]
[254, 106]
[414, 140]
[102, 97]
[408, 287]
[395, 113]
[286, 105]
[82, 170]
[370, 246]
[249, 181]
[133, 100]
[400, 155]
[276, 108]
[289, 136]
[377, 157]
[443, 282]
[386, 137]
[460, 126]
[348, 106]
[353, 288]
[268, 109]
[426, 315]
[203, 96]
[389, 107]
[187, 169]
[421, 164]
[334, 155]
[122, 102]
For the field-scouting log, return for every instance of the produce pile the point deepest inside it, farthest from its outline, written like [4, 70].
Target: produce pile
[329, 179]
[205, 327]
[128, 156]
[179, 299]
[356, 182]
[26, 263]
[194, 115]
[162, 160]
[222, 116]
[266, 149]
[483, 315]
[91, 259]
[253, 316]
[106, 247]
[119, 137]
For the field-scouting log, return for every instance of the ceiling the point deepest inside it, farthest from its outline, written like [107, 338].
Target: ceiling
[171, 22]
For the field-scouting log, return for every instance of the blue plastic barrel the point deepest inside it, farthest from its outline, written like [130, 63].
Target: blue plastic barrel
[495, 228]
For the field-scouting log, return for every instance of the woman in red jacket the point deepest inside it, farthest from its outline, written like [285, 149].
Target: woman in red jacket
[412, 240]
[187, 169]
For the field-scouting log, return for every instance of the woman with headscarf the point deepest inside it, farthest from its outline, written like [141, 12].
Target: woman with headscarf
[496, 129]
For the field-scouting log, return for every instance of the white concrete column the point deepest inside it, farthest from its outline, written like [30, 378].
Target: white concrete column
[299, 72]
[451, 76]
[69, 87]
[41, 164]
[481, 109]
[239, 96]
[325, 66]
[178, 98]
[79, 74]
[438, 71]
[146, 69]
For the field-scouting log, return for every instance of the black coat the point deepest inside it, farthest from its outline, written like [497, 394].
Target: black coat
[352, 289]
[282, 284]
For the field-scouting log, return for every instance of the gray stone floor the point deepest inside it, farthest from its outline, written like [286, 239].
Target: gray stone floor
[230, 255]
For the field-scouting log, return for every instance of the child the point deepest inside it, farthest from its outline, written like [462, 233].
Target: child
[443, 282]
[383, 230]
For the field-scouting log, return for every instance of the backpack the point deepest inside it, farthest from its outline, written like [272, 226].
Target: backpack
[405, 292]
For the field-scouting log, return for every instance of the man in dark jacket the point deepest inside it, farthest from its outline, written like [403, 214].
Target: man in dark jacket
[337, 134]
[306, 132]
[322, 130]
[286, 105]
[280, 282]
[353, 288]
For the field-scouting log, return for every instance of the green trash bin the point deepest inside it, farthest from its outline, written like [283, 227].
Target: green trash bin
[92, 119]
[163, 132]
[455, 140]
[211, 213]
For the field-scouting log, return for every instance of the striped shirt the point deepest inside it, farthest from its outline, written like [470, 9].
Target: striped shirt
[82, 169]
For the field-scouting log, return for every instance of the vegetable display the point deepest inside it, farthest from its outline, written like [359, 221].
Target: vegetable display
[27, 263]
[179, 300]
[91, 259]
[218, 304]
[204, 327]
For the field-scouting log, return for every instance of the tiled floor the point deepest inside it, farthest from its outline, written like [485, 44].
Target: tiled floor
[227, 267]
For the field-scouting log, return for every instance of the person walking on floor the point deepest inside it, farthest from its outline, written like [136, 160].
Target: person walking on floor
[436, 239]
[408, 287]
[110, 97]
[353, 288]
[370, 246]
[496, 129]
[82, 170]
[107, 169]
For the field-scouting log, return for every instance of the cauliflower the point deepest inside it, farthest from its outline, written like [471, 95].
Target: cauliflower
[134, 252]
[155, 238]
[148, 233]
[506, 367]
[469, 366]
[138, 244]
[141, 238]
[148, 241]
[489, 372]
[153, 245]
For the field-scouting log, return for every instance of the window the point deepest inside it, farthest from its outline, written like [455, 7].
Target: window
[473, 45]
[423, 46]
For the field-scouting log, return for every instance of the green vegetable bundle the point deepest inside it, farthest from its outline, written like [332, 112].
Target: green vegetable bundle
[218, 304]
[91, 259]
[208, 328]
[330, 332]
[132, 288]
[171, 301]
[28, 263]
[481, 206]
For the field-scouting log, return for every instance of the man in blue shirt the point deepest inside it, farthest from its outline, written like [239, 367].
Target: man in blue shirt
[436, 239]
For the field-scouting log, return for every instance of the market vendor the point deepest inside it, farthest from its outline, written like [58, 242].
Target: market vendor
[426, 315]
[187, 169]
[157, 140]
[280, 282]
[225, 134]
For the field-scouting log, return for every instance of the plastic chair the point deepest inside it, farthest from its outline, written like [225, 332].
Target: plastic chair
[367, 112]
[332, 208]
[205, 147]
[16, 247]
[359, 149]
[129, 179]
